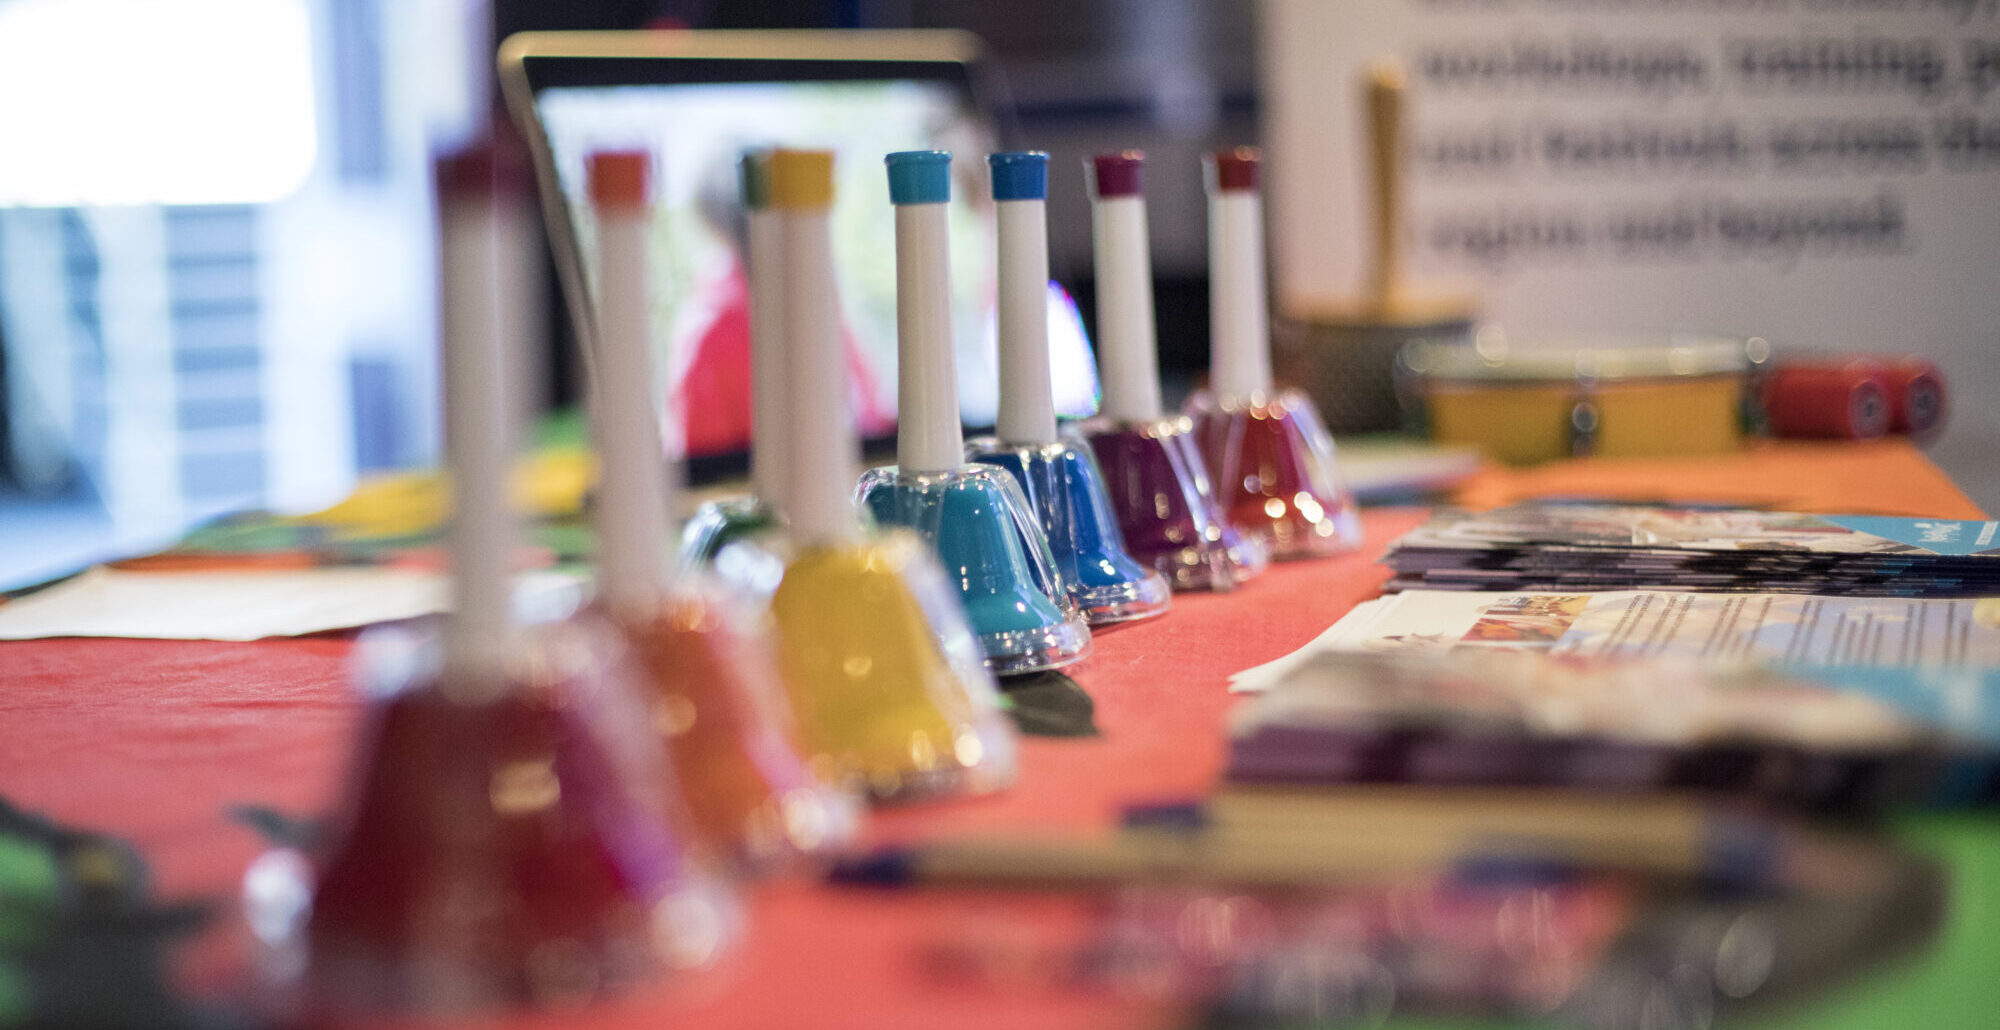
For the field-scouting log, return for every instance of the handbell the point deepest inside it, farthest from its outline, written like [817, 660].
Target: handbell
[1274, 473]
[509, 836]
[885, 677]
[1157, 482]
[1154, 473]
[703, 656]
[719, 701]
[719, 523]
[1061, 481]
[1066, 490]
[504, 846]
[979, 524]
[973, 516]
[1271, 457]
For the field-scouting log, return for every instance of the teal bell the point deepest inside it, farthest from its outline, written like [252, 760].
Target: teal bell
[993, 550]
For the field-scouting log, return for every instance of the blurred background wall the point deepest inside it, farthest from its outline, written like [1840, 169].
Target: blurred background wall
[217, 232]
[217, 257]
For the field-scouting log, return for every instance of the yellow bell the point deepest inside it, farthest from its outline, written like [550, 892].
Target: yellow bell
[886, 678]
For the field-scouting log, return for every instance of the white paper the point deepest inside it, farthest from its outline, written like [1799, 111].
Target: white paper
[214, 605]
[1344, 635]
[1665, 625]
[1787, 628]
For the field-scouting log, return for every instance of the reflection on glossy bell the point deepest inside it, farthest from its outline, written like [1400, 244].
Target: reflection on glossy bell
[1065, 491]
[885, 677]
[716, 698]
[500, 848]
[990, 544]
[742, 542]
[1158, 485]
[717, 524]
[1272, 464]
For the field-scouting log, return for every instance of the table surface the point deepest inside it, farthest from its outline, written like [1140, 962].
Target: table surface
[154, 741]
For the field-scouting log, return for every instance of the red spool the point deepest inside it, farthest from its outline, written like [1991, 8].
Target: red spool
[1916, 396]
[1836, 400]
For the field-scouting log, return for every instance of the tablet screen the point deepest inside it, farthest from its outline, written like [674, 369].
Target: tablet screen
[697, 117]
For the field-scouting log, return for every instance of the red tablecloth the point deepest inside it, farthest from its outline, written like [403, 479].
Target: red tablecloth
[154, 740]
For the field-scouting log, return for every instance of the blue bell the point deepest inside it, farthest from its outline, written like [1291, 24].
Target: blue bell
[987, 539]
[1065, 491]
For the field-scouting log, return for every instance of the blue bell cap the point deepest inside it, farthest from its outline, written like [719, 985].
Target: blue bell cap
[1020, 174]
[919, 176]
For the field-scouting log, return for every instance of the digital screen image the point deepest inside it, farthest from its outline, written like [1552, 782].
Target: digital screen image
[697, 133]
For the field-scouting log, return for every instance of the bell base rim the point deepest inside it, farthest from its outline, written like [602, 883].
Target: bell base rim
[1013, 652]
[1131, 601]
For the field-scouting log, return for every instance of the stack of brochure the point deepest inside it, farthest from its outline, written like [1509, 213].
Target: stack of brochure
[1816, 701]
[1598, 547]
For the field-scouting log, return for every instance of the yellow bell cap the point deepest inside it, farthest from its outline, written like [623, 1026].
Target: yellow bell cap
[801, 180]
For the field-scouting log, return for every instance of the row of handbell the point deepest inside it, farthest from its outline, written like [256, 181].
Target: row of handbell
[544, 812]
[1051, 529]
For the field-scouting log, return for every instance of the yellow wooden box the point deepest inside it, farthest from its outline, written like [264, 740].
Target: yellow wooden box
[1527, 403]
